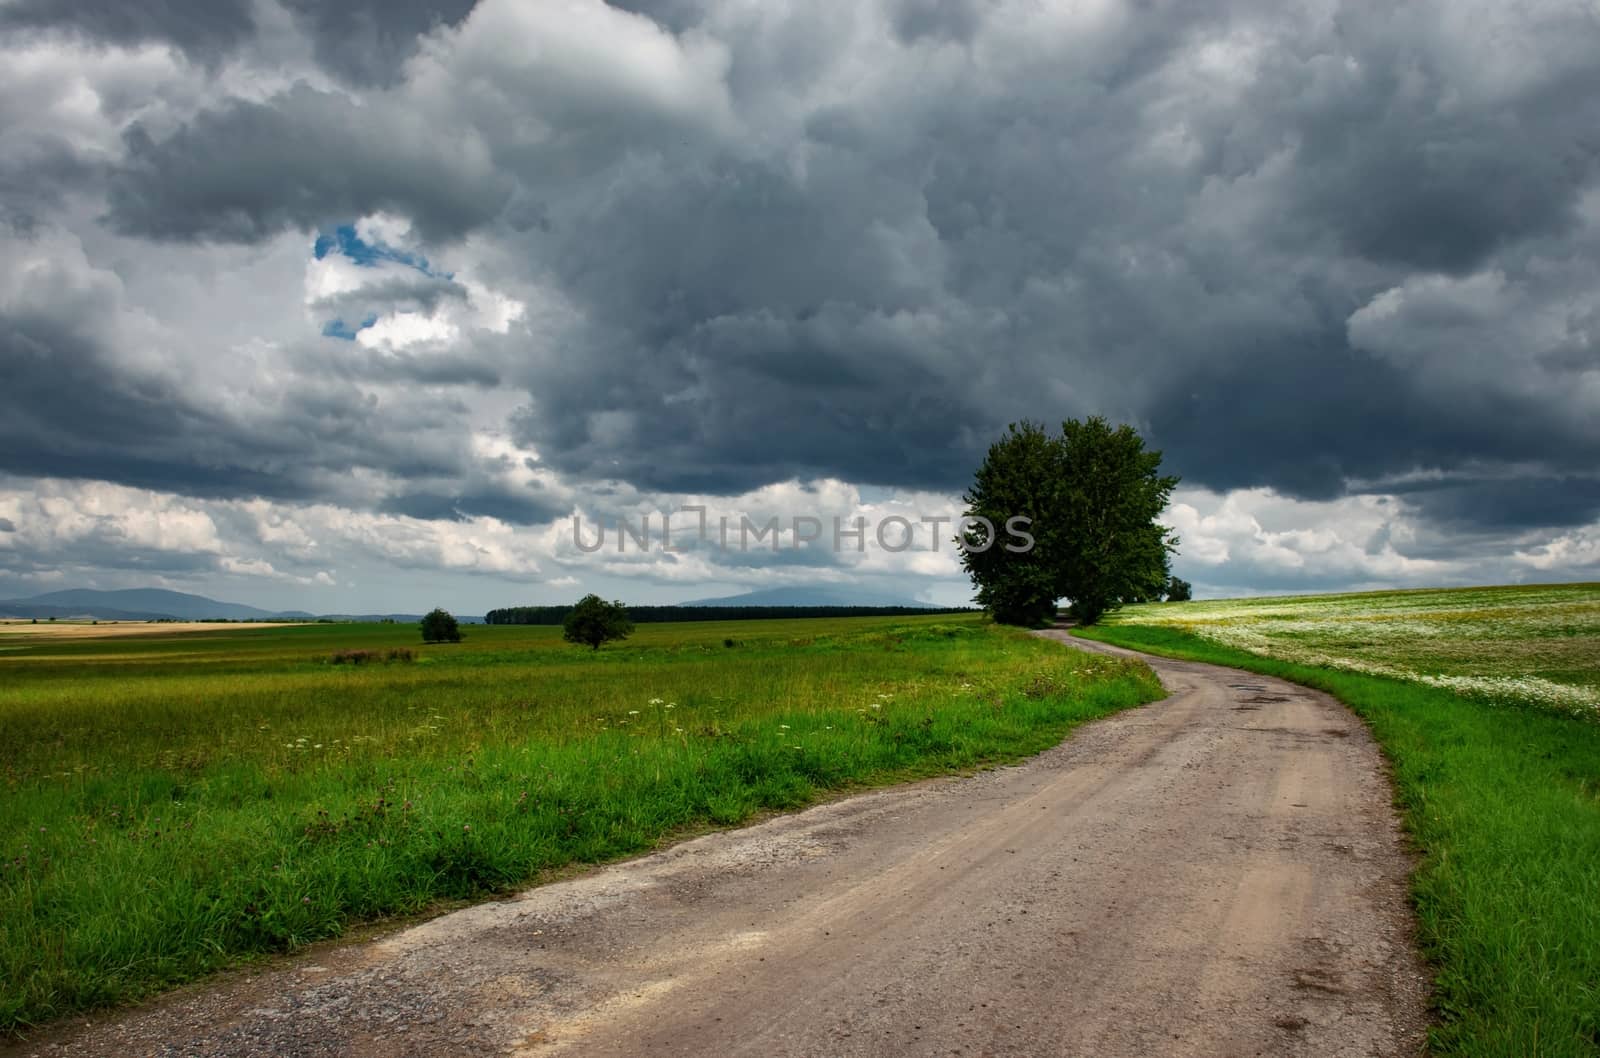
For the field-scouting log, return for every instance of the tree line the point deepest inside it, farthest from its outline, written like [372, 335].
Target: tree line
[555, 615]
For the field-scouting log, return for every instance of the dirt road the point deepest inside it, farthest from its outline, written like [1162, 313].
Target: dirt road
[1219, 873]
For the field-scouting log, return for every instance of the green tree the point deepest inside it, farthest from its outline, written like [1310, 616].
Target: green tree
[594, 621]
[1179, 590]
[438, 626]
[1092, 495]
[1018, 479]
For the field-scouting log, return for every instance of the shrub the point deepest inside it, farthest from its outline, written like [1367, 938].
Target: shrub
[361, 657]
[351, 657]
[439, 627]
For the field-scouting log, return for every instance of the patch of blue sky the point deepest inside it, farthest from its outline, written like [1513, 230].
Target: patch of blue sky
[345, 241]
[340, 329]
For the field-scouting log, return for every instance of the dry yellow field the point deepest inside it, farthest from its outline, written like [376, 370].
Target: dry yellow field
[111, 629]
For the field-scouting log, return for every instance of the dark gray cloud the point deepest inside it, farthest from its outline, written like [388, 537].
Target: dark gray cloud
[1510, 504]
[1310, 426]
[37, 169]
[1407, 171]
[951, 20]
[935, 273]
[367, 41]
[309, 159]
[204, 29]
[68, 411]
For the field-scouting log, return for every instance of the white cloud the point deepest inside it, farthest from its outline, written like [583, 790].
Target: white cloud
[1241, 542]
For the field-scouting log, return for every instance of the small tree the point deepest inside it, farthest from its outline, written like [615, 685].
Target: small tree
[439, 627]
[594, 621]
[1179, 590]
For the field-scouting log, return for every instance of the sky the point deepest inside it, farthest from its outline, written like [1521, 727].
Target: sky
[360, 306]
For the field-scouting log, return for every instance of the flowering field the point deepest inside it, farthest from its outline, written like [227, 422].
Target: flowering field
[172, 803]
[1535, 644]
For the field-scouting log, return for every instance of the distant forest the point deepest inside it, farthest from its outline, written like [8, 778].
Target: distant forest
[554, 615]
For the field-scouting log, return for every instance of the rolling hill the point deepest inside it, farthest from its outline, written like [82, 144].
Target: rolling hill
[135, 604]
[814, 595]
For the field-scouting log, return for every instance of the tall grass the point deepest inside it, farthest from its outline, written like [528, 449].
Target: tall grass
[1503, 802]
[174, 803]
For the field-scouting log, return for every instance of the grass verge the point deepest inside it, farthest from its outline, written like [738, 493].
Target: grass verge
[1503, 803]
[174, 804]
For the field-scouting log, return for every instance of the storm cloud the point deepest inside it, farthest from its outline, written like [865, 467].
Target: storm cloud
[203, 29]
[702, 247]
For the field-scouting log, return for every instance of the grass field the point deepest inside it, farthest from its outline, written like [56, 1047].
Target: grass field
[1523, 645]
[1483, 700]
[173, 803]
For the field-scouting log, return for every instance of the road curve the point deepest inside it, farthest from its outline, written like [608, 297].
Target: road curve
[1218, 873]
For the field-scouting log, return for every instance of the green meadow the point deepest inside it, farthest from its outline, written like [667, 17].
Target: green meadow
[1527, 645]
[1484, 701]
[175, 803]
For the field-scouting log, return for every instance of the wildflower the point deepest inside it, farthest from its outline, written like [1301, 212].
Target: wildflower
[633, 712]
[656, 701]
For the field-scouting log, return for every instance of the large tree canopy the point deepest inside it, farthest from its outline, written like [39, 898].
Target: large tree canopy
[1092, 496]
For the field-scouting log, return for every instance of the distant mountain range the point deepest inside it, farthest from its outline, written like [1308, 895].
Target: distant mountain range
[817, 595]
[158, 604]
[136, 604]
